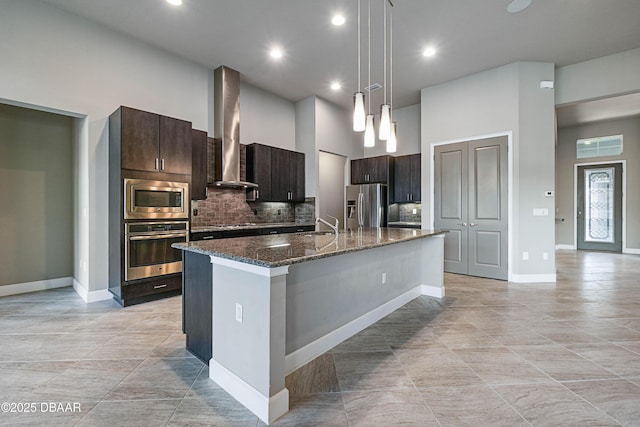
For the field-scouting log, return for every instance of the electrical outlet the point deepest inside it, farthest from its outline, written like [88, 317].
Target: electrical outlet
[238, 313]
[545, 256]
[525, 256]
[415, 211]
[384, 278]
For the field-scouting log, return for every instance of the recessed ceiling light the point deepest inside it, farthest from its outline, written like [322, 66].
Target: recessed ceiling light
[276, 53]
[518, 6]
[175, 2]
[429, 51]
[338, 19]
[336, 86]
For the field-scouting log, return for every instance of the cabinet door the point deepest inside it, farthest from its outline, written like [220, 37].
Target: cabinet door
[379, 169]
[175, 146]
[296, 176]
[259, 170]
[416, 176]
[280, 168]
[198, 189]
[359, 170]
[402, 179]
[140, 137]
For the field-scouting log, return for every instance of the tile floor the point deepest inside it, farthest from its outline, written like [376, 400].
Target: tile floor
[491, 353]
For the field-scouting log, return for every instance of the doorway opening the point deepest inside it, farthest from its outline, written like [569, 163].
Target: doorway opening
[331, 186]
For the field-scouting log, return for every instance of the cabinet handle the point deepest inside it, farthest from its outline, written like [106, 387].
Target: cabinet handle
[257, 194]
[159, 286]
[162, 164]
[157, 164]
[207, 238]
[273, 232]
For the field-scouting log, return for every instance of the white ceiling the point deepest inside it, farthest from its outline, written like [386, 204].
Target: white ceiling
[470, 35]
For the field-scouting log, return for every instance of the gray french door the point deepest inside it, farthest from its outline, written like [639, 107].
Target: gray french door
[599, 215]
[471, 203]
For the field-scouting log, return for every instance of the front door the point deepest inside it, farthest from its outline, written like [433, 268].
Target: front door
[599, 215]
[471, 203]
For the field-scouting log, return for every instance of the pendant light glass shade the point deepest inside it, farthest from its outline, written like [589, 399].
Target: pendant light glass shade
[359, 115]
[385, 122]
[369, 132]
[392, 143]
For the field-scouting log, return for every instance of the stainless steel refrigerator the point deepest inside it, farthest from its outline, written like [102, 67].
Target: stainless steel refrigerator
[366, 205]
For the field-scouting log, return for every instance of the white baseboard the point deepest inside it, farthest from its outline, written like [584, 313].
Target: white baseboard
[568, 247]
[91, 296]
[631, 251]
[533, 278]
[306, 354]
[433, 291]
[39, 285]
[268, 409]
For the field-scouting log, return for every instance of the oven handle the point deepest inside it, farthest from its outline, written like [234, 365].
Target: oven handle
[157, 236]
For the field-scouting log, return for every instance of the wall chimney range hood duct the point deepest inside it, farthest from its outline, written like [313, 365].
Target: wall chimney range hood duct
[226, 122]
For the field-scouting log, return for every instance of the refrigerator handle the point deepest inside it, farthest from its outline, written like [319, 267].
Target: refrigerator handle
[360, 213]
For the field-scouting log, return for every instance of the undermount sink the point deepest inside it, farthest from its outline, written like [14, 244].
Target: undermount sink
[319, 233]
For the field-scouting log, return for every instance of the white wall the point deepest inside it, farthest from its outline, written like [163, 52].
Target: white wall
[56, 61]
[306, 142]
[599, 78]
[408, 133]
[503, 100]
[266, 118]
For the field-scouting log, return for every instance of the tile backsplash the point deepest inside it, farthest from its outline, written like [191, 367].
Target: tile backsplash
[228, 206]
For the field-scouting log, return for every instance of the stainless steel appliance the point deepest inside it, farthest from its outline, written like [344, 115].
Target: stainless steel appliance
[146, 199]
[366, 205]
[148, 251]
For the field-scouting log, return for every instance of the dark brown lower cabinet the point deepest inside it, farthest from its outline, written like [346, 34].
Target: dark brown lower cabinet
[197, 304]
[143, 290]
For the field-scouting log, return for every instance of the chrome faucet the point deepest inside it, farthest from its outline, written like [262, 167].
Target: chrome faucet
[333, 227]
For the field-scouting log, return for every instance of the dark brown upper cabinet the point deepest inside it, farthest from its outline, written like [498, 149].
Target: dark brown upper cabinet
[372, 170]
[279, 174]
[407, 177]
[153, 143]
[199, 159]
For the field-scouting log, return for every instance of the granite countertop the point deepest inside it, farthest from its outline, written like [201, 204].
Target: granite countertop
[285, 249]
[247, 226]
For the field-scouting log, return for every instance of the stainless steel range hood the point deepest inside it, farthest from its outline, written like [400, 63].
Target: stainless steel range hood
[226, 105]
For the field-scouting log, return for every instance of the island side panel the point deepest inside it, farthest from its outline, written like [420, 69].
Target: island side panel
[253, 350]
[327, 294]
[432, 265]
[197, 303]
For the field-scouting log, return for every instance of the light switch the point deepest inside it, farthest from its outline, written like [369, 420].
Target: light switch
[540, 212]
[238, 313]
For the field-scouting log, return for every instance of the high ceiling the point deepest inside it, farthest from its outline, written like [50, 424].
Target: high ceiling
[470, 36]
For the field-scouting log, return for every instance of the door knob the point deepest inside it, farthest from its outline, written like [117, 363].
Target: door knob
[472, 224]
[464, 224]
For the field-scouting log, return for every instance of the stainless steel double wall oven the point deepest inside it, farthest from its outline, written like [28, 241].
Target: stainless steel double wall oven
[156, 215]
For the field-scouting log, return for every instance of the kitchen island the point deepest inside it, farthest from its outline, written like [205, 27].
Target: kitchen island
[258, 308]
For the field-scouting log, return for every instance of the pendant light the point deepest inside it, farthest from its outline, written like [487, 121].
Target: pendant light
[385, 109]
[392, 143]
[359, 114]
[369, 132]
